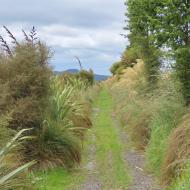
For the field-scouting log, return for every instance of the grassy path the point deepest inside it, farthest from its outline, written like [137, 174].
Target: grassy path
[110, 166]
[103, 167]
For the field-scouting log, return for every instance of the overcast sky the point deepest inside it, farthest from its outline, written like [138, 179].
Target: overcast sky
[89, 29]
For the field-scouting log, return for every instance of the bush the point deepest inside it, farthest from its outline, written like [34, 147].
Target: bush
[132, 106]
[87, 76]
[128, 59]
[25, 84]
[5, 132]
[116, 67]
[130, 56]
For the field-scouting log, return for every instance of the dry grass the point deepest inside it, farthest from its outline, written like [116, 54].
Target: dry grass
[178, 151]
[132, 108]
[151, 116]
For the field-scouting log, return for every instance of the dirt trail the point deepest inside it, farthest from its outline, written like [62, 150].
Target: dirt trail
[133, 161]
[136, 163]
[90, 169]
[92, 181]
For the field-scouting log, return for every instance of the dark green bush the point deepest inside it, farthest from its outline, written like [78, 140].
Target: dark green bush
[87, 76]
[128, 59]
[115, 67]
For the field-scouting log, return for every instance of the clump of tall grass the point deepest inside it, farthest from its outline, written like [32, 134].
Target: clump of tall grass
[12, 174]
[177, 151]
[154, 121]
[132, 105]
[59, 142]
[183, 181]
[151, 118]
[168, 109]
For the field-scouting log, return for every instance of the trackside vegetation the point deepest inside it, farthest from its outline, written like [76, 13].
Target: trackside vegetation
[54, 111]
[153, 87]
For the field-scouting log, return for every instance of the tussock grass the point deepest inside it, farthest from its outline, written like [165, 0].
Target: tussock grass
[177, 151]
[183, 181]
[12, 172]
[153, 119]
[132, 106]
[59, 178]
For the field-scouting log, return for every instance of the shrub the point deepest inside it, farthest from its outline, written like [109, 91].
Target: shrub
[87, 76]
[128, 59]
[115, 68]
[130, 56]
[84, 77]
[5, 132]
[25, 83]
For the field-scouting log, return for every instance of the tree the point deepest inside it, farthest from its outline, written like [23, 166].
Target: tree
[140, 35]
[173, 31]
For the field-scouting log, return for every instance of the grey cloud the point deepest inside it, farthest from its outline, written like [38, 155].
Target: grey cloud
[89, 13]
[89, 29]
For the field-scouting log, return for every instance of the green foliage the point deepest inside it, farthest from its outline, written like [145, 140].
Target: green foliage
[182, 182]
[128, 59]
[171, 29]
[54, 109]
[25, 85]
[84, 77]
[87, 76]
[165, 117]
[109, 151]
[140, 35]
[130, 56]
[12, 176]
[115, 68]
[183, 71]
[59, 142]
[171, 22]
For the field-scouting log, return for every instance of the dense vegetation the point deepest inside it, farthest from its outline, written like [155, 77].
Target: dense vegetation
[154, 100]
[55, 109]
[44, 118]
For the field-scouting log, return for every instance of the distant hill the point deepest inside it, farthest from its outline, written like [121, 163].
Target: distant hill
[73, 71]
